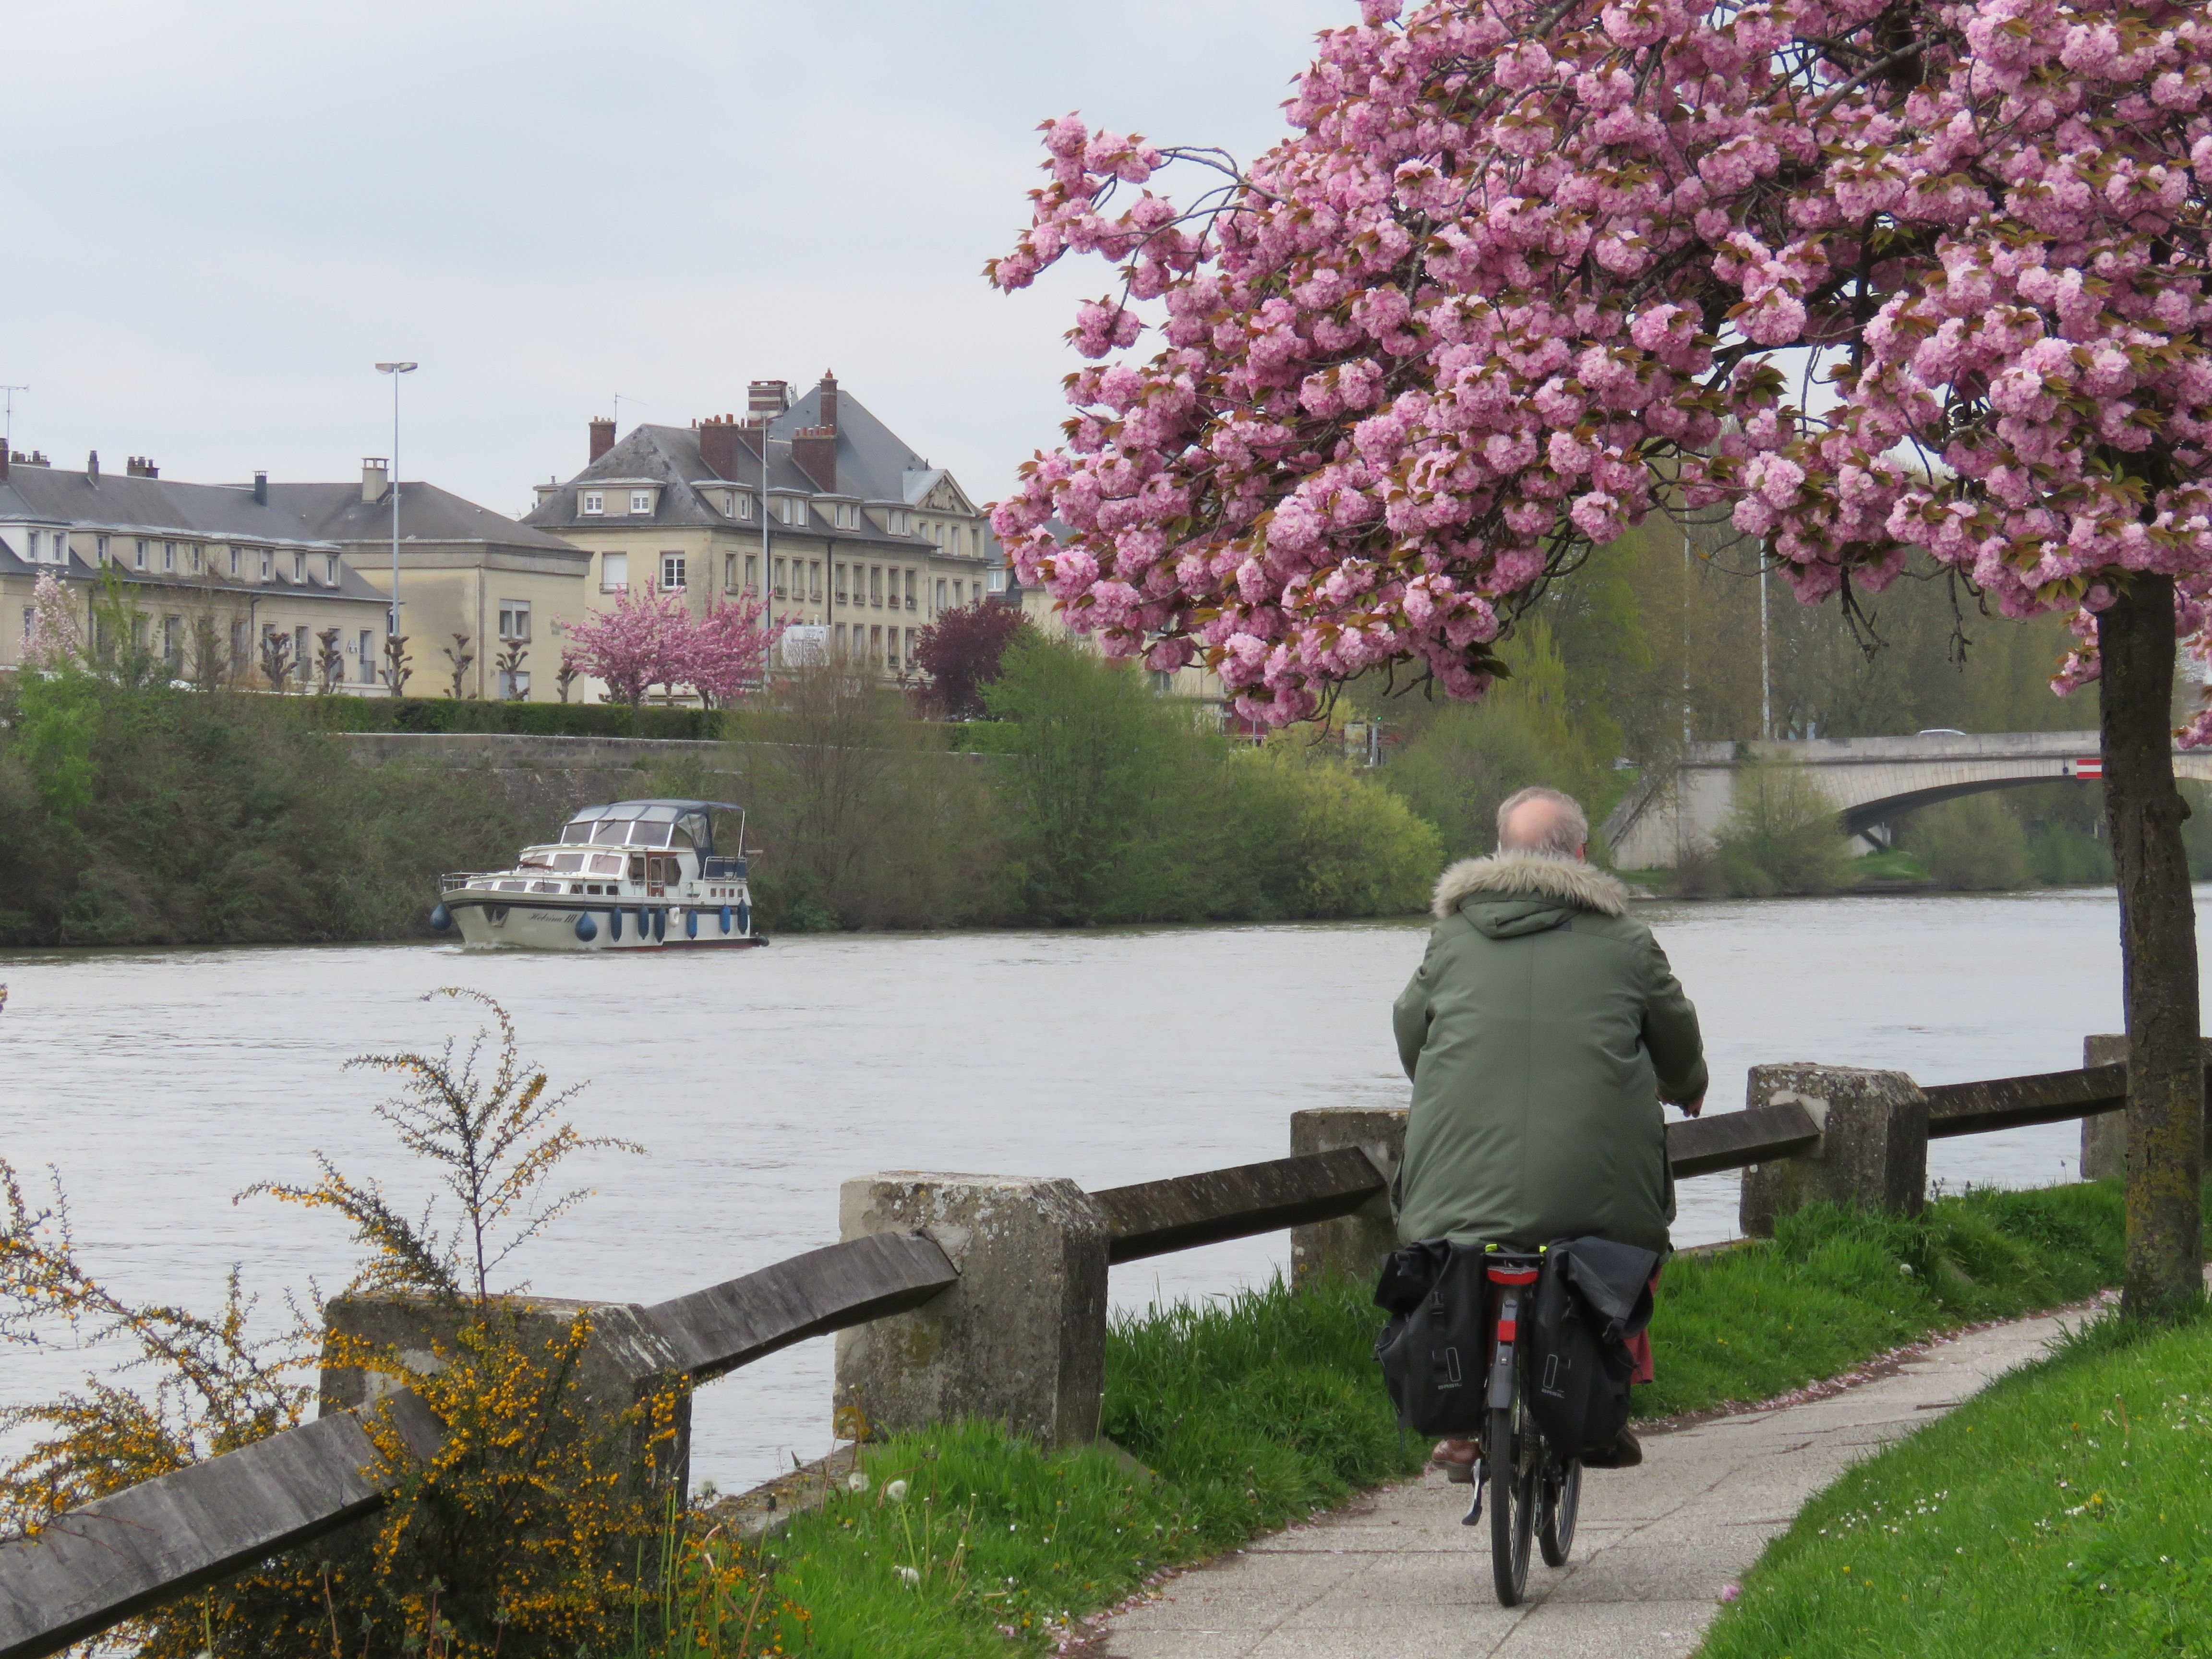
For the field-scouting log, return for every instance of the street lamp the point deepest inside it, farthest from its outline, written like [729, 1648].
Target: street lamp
[395, 370]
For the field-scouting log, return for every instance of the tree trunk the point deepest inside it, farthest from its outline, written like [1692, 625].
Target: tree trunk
[2144, 811]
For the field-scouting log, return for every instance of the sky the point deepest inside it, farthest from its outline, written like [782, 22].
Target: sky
[225, 215]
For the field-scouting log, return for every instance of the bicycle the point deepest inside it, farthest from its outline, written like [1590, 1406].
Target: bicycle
[1534, 1495]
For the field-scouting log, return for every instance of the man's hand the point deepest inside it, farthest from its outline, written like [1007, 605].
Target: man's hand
[1692, 1107]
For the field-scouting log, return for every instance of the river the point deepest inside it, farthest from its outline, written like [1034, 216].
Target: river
[158, 1083]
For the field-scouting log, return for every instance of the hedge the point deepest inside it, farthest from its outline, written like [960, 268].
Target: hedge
[551, 720]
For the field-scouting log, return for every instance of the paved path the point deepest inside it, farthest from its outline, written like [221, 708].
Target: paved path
[1397, 1577]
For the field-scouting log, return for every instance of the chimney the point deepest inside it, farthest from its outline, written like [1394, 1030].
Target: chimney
[142, 466]
[261, 490]
[92, 468]
[718, 446]
[603, 438]
[829, 399]
[814, 449]
[766, 399]
[373, 480]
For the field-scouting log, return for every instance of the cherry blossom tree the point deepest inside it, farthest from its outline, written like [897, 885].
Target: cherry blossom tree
[642, 642]
[1872, 276]
[726, 652]
[56, 640]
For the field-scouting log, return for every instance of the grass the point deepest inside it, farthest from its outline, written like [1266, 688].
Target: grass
[2065, 1510]
[1254, 1411]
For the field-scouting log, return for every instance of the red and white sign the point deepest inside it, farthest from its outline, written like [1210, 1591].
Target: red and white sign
[2089, 766]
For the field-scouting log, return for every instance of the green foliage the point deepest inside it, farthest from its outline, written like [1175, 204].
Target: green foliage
[1322, 841]
[159, 815]
[562, 720]
[2063, 1510]
[1781, 836]
[1973, 844]
[1461, 761]
[1240, 1415]
[1835, 1286]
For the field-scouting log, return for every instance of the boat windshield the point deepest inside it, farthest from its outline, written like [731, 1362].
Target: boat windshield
[609, 832]
[575, 834]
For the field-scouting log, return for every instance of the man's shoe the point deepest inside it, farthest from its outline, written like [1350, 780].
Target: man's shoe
[1625, 1453]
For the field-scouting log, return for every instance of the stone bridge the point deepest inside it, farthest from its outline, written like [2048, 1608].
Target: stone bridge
[1872, 781]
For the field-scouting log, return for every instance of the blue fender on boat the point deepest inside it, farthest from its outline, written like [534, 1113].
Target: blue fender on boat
[587, 929]
[691, 923]
[441, 918]
[725, 918]
[614, 926]
[660, 926]
[744, 917]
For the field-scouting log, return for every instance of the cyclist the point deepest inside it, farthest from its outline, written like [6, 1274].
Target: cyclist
[1542, 1032]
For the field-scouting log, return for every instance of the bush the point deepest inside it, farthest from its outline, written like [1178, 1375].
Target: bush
[1324, 841]
[1781, 836]
[1975, 844]
[551, 719]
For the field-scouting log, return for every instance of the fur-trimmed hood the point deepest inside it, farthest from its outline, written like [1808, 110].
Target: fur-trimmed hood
[1531, 875]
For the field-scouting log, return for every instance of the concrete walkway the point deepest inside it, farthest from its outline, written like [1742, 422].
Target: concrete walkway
[1394, 1575]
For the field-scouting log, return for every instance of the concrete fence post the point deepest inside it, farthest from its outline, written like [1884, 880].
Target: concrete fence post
[625, 1369]
[1873, 1150]
[1351, 1246]
[1021, 1339]
[2105, 1136]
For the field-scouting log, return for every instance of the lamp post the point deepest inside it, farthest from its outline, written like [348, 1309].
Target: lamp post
[395, 370]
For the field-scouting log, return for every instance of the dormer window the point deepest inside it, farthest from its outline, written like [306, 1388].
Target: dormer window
[199, 558]
[300, 568]
[845, 515]
[268, 564]
[740, 507]
[592, 502]
[898, 522]
[791, 509]
[168, 555]
[641, 501]
[331, 569]
[139, 555]
[234, 562]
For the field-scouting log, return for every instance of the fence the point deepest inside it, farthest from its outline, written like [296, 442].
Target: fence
[958, 1295]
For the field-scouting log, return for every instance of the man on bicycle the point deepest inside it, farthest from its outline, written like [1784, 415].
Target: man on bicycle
[1542, 1032]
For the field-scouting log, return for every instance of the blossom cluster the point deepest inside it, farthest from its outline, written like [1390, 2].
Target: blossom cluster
[652, 638]
[1526, 271]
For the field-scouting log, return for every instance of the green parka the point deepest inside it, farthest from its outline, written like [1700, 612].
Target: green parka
[1541, 1030]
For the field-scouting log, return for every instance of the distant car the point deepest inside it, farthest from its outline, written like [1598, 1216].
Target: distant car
[1939, 731]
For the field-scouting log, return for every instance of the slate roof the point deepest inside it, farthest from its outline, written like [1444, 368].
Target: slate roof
[874, 465]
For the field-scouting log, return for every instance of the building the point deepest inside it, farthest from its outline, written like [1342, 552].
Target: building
[220, 573]
[464, 570]
[229, 583]
[813, 504]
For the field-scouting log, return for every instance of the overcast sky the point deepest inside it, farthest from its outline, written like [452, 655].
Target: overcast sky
[223, 215]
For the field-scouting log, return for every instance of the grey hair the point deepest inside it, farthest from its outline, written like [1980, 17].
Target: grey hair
[1564, 836]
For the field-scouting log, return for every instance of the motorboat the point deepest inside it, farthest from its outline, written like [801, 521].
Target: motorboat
[634, 875]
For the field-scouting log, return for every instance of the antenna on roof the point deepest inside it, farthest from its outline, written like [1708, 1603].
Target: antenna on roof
[8, 431]
[620, 400]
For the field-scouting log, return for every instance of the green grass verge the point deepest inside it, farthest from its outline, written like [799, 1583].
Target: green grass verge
[1256, 1410]
[2065, 1510]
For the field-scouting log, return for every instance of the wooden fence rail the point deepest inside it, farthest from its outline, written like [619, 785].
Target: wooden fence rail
[130, 1553]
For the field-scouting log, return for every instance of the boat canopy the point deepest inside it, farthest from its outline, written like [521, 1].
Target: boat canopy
[647, 824]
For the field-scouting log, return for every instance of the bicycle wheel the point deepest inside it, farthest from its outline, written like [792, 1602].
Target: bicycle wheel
[1512, 1456]
[1559, 1498]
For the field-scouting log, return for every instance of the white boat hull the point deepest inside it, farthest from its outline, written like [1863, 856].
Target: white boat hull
[489, 921]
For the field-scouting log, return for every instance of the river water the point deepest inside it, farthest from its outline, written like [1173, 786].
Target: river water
[158, 1083]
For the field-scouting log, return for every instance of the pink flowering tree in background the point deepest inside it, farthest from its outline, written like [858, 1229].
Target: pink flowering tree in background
[56, 640]
[726, 653]
[642, 642]
[1870, 277]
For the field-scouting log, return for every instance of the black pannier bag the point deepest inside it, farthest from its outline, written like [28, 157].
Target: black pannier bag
[1435, 1350]
[1592, 1296]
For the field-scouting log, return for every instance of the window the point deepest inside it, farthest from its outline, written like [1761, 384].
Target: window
[913, 580]
[959, 594]
[998, 580]
[778, 579]
[100, 549]
[514, 620]
[300, 568]
[671, 571]
[37, 542]
[199, 558]
[234, 562]
[814, 582]
[729, 571]
[141, 554]
[641, 501]
[941, 592]
[744, 507]
[841, 633]
[268, 563]
[514, 685]
[875, 643]
[173, 643]
[238, 663]
[909, 645]
[875, 585]
[367, 658]
[752, 573]
[31, 616]
[614, 573]
[890, 639]
[303, 656]
[331, 569]
[898, 522]
[591, 501]
[168, 555]
[840, 584]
